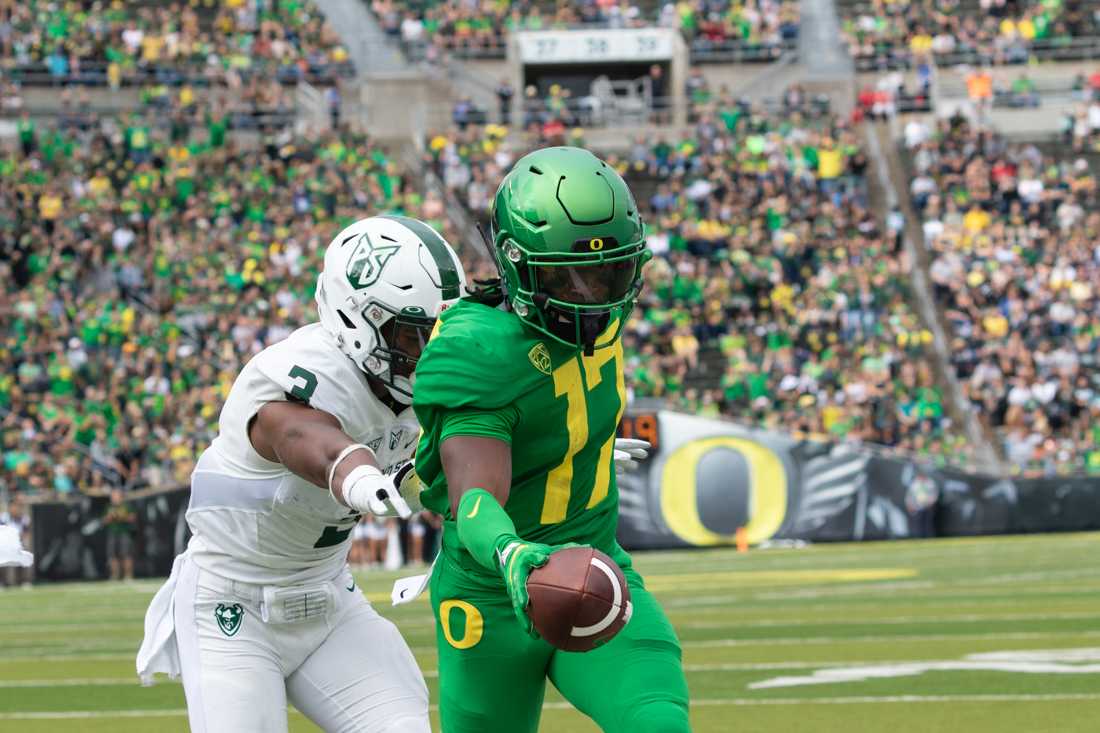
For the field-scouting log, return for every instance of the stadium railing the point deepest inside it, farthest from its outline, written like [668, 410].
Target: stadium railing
[898, 57]
[702, 50]
[94, 73]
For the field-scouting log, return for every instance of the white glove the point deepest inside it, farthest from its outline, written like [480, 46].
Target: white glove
[628, 452]
[366, 489]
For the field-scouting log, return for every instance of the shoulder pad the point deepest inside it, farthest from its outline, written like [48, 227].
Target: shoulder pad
[310, 370]
[480, 357]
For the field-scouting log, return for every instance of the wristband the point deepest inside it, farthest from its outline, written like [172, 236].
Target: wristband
[339, 457]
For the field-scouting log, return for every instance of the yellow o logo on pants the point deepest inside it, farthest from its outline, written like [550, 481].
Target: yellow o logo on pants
[767, 490]
[475, 624]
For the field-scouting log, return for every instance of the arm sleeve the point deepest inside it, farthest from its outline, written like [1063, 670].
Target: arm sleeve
[484, 528]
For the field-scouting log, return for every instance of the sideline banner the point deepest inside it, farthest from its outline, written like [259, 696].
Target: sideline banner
[706, 478]
[70, 541]
[703, 480]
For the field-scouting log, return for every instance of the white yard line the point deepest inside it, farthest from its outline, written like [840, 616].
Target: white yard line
[701, 702]
[71, 682]
[873, 700]
[434, 673]
[29, 656]
[86, 714]
[790, 640]
[733, 622]
[68, 658]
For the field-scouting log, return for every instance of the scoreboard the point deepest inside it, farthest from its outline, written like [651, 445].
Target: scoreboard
[640, 45]
[606, 69]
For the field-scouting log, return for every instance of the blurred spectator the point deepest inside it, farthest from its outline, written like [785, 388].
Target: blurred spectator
[163, 273]
[504, 94]
[119, 522]
[97, 43]
[1023, 93]
[756, 30]
[979, 88]
[334, 102]
[1013, 233]
[884, 33]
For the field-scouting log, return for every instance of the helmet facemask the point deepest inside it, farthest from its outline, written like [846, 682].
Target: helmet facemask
[400, 338]
[574, 297]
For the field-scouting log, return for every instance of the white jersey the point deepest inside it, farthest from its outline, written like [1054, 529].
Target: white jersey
[253, 520]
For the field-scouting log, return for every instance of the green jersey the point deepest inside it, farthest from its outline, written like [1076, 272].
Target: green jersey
[485, 373]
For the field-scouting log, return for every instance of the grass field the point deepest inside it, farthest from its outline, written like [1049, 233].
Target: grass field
[982, 609]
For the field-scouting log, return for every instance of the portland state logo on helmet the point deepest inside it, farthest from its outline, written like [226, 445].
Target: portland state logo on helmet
[368, 260]
[570, 246]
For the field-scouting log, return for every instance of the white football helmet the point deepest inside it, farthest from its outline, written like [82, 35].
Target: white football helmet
[385, 281]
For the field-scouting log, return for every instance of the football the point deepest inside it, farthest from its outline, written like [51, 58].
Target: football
[579, 599]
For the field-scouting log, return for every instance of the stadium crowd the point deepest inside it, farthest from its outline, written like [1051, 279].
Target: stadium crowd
[775, 298]
[114, 43]
[480, 27]
[147, 265]
[1013, 231]
[883, 33]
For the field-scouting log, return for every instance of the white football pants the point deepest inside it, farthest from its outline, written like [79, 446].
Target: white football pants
[347, 669]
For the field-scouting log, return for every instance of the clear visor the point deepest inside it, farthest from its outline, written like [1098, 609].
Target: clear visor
[595, 284]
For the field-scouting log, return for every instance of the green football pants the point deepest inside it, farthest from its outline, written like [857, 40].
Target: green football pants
[492, 675]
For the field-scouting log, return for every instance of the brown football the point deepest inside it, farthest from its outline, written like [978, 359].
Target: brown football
[579, 599]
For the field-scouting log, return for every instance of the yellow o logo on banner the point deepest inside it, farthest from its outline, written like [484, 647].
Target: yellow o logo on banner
[475, 624]
[767, 491]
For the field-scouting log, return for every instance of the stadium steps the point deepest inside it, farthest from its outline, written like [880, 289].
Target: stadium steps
[363, 37]
[893, 177]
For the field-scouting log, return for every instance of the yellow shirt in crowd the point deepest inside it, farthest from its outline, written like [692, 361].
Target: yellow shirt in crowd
[830, 163]
[49, 206]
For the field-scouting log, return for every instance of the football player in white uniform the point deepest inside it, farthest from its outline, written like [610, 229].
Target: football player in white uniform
[262, 609]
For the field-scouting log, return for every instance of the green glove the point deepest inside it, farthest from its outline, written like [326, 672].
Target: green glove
[489, 534]
[517, 560]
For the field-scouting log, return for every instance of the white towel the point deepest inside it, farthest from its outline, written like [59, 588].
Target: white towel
[158, 652]
[407, 590]
[11, 549]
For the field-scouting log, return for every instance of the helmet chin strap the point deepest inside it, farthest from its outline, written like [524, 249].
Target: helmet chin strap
[384, 378]
[404, 383]
[565, 325]
[591, 328]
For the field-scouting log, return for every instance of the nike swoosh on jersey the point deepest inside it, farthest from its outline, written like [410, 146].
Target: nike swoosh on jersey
[477, 505]
[352, 586]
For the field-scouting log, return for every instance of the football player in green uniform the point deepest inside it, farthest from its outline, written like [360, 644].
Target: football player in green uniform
[519, 406]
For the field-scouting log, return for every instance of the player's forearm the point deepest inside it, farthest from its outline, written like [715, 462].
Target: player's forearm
[309, 451]
[307, 442]
[479, 474]
[484, 528]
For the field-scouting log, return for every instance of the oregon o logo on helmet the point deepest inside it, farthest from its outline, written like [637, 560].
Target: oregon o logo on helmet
[368, 260]
[595, 244]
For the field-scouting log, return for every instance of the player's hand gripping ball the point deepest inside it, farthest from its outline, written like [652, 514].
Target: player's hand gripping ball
[578, 599]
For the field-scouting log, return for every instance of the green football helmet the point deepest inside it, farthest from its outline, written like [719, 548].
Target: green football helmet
[570, 246]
